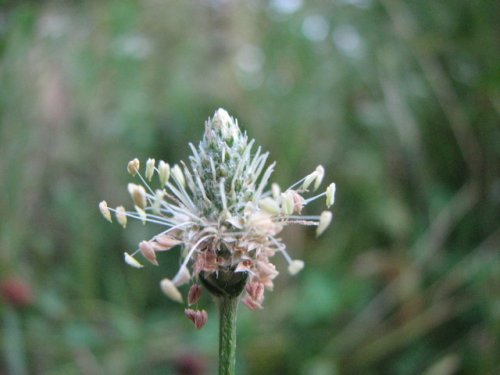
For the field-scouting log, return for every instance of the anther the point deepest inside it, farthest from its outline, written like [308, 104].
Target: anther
[150, 169]
[131, 261]
[295, 266]
[103, 207]
[121, 216]
[324, 221]
[133, 166]
[163, 172]
[138, 194]
[170, 290]
[330, 195]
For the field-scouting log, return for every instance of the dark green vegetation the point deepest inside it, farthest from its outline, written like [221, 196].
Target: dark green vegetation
[399, 100]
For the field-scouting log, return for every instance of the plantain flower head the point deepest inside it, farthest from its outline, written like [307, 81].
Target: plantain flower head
[220, 208]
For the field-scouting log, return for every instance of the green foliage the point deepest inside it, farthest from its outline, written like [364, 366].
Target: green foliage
[399, 101]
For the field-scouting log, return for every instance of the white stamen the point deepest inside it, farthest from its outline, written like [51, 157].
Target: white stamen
[287, 202]
[133, 166]
[131, 261]
[295, 266]
[159, 194]
[142, 214]
[178, 175]
[138, 194]
[330, 195]
[324, 221]
[182, 276]
[163, 172]
[320, 171]
[150, 169]
[121, 216]
[103, 207]
[170, 290]
[276, 191]
[269, 205]
[308, 180]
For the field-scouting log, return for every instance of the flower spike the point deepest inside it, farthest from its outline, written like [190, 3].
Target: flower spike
[223, 212]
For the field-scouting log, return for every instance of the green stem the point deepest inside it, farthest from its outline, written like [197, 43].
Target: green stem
[227, 335]
[13, 342]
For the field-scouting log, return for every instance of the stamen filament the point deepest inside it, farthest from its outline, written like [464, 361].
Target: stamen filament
[314, 198]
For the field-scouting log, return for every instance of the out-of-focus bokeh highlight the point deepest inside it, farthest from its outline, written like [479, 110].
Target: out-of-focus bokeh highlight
[399, 100]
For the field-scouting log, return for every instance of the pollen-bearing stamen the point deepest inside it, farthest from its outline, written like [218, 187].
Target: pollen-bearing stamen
[220, 209]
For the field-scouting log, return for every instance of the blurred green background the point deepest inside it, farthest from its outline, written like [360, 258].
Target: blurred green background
[399, 100]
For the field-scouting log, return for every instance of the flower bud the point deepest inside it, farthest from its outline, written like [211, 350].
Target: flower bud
[225, 124]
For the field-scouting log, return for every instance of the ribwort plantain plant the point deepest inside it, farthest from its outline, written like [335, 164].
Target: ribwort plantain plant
[219, 209]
